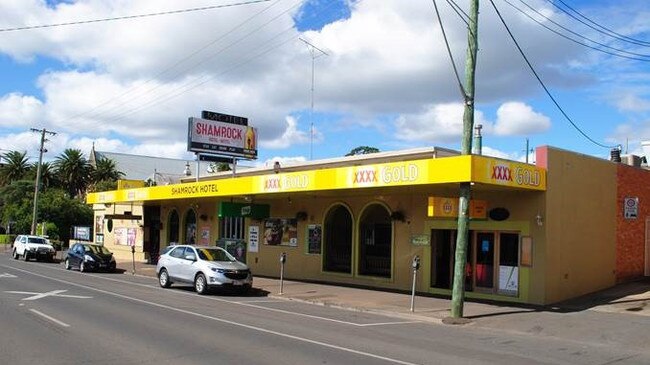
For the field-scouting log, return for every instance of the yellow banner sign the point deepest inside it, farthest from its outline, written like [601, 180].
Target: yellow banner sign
[439, 207]
[508, 173]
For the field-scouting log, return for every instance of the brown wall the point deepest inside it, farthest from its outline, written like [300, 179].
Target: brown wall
[630, 233]
[580, 224]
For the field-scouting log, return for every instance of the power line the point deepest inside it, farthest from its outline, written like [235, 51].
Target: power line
[597, 27]
[30, 27]
[164, 71]
[542, 83]
[645, 57]
[189, 85]
[451, 56]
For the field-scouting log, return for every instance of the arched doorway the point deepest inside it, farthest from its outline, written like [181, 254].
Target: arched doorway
[173, 236]
[375, 241]
[337, 240]
[190, 227]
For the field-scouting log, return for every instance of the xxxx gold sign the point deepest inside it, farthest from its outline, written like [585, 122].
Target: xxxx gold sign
[508, 173]
[440, 207]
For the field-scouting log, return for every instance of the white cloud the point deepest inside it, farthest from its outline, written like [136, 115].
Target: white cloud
[632, 102]
[437, 124]
[17, 110]
[290, 136]
[519, 119]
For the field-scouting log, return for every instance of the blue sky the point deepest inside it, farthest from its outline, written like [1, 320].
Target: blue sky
[386, 81]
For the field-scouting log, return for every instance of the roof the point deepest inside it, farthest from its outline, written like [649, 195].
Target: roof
[159, 169]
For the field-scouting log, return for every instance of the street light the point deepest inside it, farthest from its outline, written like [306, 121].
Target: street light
[187, 170]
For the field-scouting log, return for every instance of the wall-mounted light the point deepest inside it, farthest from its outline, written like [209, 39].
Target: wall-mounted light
[187, 170]
[539, 219]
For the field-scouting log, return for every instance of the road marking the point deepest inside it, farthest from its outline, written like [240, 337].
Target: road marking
[62, 324]
[53, 293]
[7, 275]
[226, 321]
[387, 323]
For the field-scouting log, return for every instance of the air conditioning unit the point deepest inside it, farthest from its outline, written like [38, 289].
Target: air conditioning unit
[631, 160]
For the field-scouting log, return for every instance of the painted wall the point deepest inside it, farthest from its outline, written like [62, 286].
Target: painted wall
[116, 240]
[630, 233]
[580, 225]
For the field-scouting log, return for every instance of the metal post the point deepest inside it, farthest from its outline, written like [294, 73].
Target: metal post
[415, 266]
[133, 259]
[198, 166]
[283, 259]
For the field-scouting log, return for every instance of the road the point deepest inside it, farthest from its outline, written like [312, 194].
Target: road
[52, 316]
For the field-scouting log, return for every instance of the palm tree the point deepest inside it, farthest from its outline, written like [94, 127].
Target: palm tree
[74, 171]
[48, 174]
[106, 170]
[15, 167]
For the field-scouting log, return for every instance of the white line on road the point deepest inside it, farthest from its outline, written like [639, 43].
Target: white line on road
[7, 275]
[62, 324]
[53, 293]
[217, 319]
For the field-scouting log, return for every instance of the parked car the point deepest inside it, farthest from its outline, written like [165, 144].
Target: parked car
[206, 267]
[89, 257]
[29, 246]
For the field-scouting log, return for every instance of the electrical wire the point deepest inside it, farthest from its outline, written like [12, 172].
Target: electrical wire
[542, 83]
[30, 27]
[641, 57]
[165, 70]
[188, 85]
[451, 56]
[464, 17]
[597, 27]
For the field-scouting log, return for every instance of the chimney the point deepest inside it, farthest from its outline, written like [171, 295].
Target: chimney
[615, 155]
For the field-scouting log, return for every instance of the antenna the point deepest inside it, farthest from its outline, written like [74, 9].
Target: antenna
[315, 53]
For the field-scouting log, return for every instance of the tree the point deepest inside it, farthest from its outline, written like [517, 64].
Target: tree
[74, 171]
[48, 175]
[106, 170]
[16, 201]
[58, 208]
[362, 150]
[15, 167]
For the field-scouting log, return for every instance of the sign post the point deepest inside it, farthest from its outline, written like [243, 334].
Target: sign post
[133, 258]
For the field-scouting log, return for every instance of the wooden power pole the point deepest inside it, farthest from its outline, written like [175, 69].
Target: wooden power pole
[458, 289]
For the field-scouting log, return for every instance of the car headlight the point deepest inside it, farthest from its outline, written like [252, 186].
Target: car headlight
[88, 258]
[220, 271]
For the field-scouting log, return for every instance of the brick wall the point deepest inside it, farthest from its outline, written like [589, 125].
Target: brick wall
[630, 233]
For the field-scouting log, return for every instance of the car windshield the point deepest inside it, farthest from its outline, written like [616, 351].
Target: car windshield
[97, 249]
[214, 254]
[36, 240]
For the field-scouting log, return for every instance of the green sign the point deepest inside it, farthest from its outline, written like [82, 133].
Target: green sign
[256, 211]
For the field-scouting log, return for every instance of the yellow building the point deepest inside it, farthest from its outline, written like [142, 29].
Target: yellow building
[538, 233]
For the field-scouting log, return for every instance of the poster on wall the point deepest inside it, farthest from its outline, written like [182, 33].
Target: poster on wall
[253, 238]
[190, 235]
[130, 237]
[281, 232]
[99, 224]
[205, 235]
[314, 236]
[509, 280]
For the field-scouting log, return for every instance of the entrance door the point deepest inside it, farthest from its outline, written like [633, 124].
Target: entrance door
[484, 268]
[443, 257]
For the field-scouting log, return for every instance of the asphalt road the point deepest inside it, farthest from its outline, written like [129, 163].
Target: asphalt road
[52, 316]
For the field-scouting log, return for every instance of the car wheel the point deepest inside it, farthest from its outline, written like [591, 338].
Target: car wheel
[15, 255]
[25, 256]
[82, 267]
[67, 264]
[163, 279]
[200, 284]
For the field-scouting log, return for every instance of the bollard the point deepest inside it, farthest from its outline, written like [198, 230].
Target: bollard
[415, 265]
[283, 259]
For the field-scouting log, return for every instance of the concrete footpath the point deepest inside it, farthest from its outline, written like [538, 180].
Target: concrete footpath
[619, 315]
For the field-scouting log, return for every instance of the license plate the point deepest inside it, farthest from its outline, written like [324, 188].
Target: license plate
[237, 283]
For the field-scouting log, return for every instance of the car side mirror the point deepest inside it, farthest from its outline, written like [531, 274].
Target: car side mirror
[190, 257]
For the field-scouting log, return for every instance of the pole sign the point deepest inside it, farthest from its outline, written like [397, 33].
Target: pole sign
[209, 136]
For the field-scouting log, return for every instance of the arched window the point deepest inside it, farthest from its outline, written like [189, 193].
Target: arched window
[375, 241]
[337, 240]
[190, 227]
[173, 224]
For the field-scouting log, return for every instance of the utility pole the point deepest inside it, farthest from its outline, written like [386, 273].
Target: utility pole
[314, 56]
[38, 173]
[458, 289]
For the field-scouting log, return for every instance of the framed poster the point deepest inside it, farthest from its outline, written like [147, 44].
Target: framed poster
[281, 232]
[314, 238]
[253, 238]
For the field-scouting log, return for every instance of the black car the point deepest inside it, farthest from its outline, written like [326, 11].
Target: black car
[89, 257]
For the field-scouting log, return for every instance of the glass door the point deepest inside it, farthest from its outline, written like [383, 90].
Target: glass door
[484, 264]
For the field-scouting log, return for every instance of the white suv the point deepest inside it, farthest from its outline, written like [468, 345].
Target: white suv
[33, 247]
